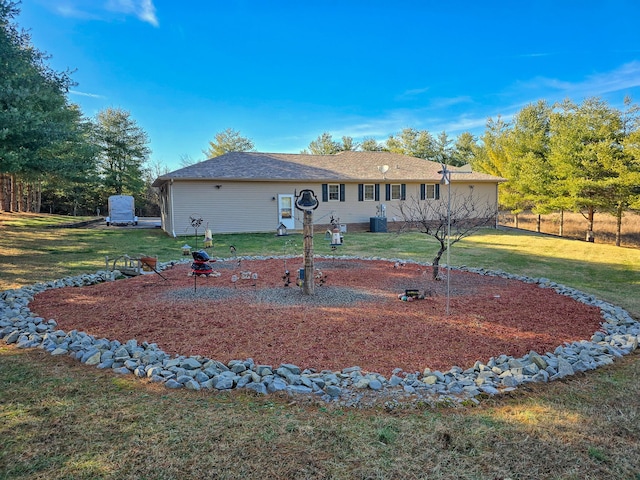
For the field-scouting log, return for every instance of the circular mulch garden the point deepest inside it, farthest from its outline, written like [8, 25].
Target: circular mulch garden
[354, 318]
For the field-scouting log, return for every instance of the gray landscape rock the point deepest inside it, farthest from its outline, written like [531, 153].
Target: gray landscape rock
[12, 337]
[192, 385]
[93, 358]
[333, 391]
[375, 384]
[277, 385]
[564, 368]
[618, 336]
[257, 387]
[224, 383]
[190, 364]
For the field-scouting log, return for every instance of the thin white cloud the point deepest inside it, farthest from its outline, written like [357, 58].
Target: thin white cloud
[84, 94]
[69, 10]
[407, 94]
[451, 101]
[623, 78]
[534, 55]
[464, 123]
[144, 10]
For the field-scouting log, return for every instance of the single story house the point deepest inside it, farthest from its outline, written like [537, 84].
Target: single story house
[241, 192]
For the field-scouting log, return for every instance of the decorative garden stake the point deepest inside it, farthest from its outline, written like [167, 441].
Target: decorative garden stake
[208, 237]
[446, 180]
[287, 275]
[195, 223]
[307, 202]
[336, 236]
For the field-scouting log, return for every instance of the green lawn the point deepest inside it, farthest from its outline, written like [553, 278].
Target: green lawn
[60, 419]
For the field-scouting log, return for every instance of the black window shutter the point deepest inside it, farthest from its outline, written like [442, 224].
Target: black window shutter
[403, 191]
[437, 191]
[325, 192]
[360, 192]
[377, 192]
[387, 192]
[342, 189]
[423, 191]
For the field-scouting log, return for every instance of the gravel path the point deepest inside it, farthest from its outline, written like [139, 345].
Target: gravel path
[324, 296]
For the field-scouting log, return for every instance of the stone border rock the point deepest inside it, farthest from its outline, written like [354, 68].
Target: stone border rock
[350, 387]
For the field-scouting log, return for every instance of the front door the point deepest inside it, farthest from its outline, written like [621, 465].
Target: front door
[285, 210]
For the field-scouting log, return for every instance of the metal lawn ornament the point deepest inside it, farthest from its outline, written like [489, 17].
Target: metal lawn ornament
[208, 237]
[336, 235]
[446, 180]
[195, 223]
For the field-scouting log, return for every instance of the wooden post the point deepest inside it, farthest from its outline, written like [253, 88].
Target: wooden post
[308, 282]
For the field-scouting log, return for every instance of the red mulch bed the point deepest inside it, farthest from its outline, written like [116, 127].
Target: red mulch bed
[489, 316]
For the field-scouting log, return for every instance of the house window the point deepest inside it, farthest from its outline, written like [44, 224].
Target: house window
[369, 192]
[395, 191]
[430, 192]
[334, 192]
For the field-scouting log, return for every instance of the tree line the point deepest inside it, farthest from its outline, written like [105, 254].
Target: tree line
[52, 157]
[566, 157]
[415, 143]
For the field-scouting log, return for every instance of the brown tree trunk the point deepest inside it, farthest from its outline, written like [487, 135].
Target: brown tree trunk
[618, 224]
[561, 232]
[21, 206]
[436, 261]
[30, 197]
[3, 192]
[515, 220]
[538, 222]
[38, 197]
[308, 283]
[590, 215]
[12, 193]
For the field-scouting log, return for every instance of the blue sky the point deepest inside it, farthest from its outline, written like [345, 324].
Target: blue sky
[283, 72]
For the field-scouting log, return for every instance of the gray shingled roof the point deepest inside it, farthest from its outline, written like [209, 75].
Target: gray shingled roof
[344, 166]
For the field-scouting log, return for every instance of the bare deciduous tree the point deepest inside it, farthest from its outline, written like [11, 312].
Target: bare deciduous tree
[468, 213]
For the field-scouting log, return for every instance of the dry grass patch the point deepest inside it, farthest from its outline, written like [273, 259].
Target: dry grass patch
[575, 226]
[60, 419]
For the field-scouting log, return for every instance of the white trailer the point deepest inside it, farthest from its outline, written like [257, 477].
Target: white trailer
[121, 210]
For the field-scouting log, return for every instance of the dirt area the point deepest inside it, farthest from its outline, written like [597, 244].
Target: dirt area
[355, 318]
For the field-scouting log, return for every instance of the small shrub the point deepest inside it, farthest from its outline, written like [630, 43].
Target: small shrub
[597, 454]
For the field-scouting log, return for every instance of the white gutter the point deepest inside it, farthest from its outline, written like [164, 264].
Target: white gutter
[497, 208]
[173, 225]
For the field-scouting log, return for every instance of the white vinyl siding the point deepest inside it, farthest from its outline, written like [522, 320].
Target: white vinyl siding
[238, 207]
